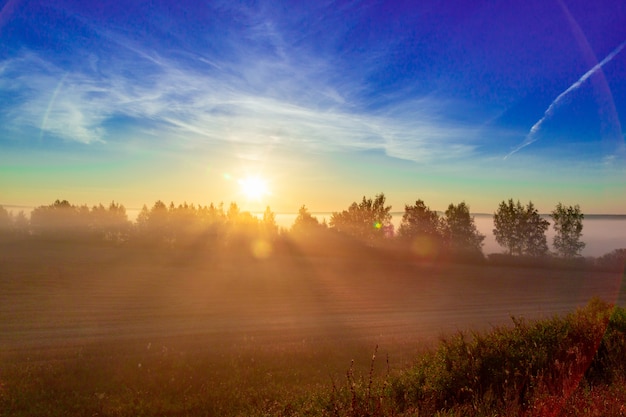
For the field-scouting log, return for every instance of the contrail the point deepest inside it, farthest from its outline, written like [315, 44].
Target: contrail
[530, 138]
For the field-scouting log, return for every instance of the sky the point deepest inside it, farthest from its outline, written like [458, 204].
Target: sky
[323, 102]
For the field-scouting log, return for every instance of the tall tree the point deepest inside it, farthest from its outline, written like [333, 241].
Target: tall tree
[462, 236]
[21, 223]
[521, 230]
[111, 223]
[370, 220]
[61, 217]
[269, 222]
[5, 220]
[568, 227]
[185, 220]
[232, 215]
[422, 229]
[535, 229]
[420, 221]
[155, 224]
[305, 223]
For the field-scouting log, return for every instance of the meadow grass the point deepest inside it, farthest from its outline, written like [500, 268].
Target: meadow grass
[565, 365]
[88, 331]
[170, 377]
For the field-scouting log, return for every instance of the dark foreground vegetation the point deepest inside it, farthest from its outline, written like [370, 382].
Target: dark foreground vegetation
[572, 365]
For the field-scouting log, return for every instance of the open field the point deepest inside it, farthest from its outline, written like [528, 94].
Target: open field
[238, 332]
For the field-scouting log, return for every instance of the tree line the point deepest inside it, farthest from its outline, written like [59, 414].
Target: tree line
[518, 228]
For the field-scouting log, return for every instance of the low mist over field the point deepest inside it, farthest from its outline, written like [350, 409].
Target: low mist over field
[236, 328]
[278, 208]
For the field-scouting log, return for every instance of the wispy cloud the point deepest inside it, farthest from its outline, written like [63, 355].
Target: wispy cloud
[68, 106]
[286, 96]
[532, 134]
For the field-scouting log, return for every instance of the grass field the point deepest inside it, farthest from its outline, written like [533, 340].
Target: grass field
[99, 330]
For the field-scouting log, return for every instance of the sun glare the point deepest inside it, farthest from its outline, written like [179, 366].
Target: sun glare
[254, 188]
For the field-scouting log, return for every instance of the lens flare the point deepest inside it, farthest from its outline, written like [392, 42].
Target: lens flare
[261, 249]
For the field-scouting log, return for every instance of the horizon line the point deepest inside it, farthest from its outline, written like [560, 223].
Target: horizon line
[15, 206]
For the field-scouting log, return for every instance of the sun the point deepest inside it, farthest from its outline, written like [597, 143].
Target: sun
[254, 188]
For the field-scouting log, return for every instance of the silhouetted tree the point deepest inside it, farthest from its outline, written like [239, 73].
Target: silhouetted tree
[211, 215]
[519, 229]
[21, 223]
[613, 261]
[269, 222]
[232, 215]
[304, 223]
[59, 218]
[461, 234]
[185, 222]
[5, 220]
[184, 225]
[248, 221]
[422, 228]
[141, 223]
[110, 223]
[241, 226]
[13, 225]
[507, 226]
[213, 221]
[419, 221]
[370, 220]
[153, 225]
[568, 227]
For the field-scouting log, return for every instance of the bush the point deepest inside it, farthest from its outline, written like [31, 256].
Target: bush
[502, 370]
[572, 365]
[612, 261]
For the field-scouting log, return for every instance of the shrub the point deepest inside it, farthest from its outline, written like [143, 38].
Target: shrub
[503, 369]
[612, 261]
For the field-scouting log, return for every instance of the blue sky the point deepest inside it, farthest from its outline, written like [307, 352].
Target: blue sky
[136, 101]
